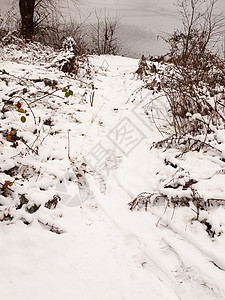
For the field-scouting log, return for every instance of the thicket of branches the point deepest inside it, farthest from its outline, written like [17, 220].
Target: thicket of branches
[192, 80]
[193, 75]
[44, 21]
[200, 32]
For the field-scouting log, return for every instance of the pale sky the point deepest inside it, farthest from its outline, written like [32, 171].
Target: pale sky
[155, 14]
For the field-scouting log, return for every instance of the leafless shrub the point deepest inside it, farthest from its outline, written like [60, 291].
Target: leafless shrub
[192, 78]
[194, 82]
[195, 97]
[8, 24]
[55, 30]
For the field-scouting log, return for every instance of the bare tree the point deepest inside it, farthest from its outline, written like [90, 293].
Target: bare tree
[201, 29]
[33, 13]
[27, 18]
[104, 34]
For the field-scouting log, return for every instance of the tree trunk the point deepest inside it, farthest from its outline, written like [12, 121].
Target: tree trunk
[27, 18]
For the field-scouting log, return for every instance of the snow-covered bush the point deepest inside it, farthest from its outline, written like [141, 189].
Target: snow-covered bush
[70, 61]
[33, 160]
[21, 134]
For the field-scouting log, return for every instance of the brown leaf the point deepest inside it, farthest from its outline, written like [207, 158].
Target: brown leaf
[7, 184]
[18, 105]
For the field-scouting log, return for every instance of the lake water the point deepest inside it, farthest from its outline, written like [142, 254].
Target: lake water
[143, 22]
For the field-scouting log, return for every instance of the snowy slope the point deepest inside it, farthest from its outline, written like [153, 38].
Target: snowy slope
[97, 159]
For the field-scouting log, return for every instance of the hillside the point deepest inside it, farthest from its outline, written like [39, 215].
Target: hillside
[75, 152]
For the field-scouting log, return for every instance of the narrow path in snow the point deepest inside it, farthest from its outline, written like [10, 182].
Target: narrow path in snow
[181, 264]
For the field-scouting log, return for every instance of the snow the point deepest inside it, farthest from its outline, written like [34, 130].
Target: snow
[104, 251]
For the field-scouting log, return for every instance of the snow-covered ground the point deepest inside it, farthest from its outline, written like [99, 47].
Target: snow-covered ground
[98, 159]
